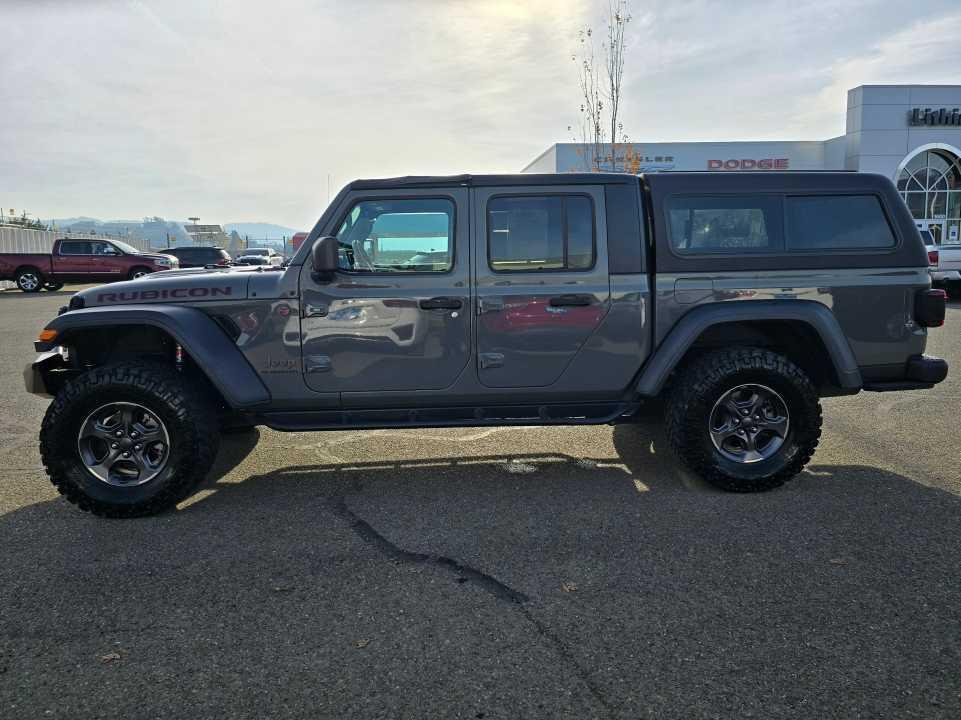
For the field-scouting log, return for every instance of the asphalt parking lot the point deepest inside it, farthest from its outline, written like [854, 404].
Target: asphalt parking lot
[493, 573]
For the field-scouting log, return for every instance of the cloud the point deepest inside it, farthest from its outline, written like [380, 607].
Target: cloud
[240, 111]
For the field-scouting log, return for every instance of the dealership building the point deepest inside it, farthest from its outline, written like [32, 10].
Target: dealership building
[909, 133]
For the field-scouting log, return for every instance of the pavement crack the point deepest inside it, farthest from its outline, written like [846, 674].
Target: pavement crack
[371, 536]
[567, 656]
[501, 591]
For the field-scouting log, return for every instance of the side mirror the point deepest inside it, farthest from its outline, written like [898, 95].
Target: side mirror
[324, 257]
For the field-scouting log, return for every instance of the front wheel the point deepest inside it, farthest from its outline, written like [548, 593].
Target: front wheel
[128, 440]
[744, 419]
[138, 272]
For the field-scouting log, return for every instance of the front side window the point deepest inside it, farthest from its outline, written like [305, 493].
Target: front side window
[102, 248]
[730, 224]
[397, 236]
[836, 222]
[540, 233]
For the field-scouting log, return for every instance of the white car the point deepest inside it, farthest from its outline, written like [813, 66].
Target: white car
[260, 256]
[944, 263]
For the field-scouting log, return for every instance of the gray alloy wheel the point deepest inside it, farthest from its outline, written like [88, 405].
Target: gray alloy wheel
[123, 444]
[29, 281]
[138, 274]
[749, 423]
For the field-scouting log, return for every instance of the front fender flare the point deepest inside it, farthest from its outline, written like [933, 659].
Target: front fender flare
[198, 333]
[672, 350]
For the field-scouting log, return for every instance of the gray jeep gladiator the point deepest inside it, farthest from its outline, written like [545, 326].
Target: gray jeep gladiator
[740, 300]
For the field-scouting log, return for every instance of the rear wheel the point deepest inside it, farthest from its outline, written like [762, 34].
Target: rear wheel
[744, 419]
[128, 440]
[29, 280]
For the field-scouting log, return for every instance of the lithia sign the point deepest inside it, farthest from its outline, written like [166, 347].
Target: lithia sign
[942, 116]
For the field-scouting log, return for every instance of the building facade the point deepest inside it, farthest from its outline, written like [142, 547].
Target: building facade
[909, 133]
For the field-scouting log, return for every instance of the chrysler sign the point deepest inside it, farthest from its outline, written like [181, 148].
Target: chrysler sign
[941, 116]
[749, 164]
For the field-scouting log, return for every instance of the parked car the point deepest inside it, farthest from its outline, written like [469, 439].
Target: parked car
[272, 257]
[945, 264]
[739, 300]
[81, 261]
[199, 256]
[253, 260]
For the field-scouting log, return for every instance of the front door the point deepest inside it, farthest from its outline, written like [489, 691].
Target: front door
[542, 280]
[396, 315]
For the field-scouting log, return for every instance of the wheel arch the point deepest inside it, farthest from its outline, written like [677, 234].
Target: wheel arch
[805, 331]
[215, 355]
[29, 266]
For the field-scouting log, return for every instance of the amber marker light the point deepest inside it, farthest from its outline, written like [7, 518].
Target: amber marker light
[46, 335]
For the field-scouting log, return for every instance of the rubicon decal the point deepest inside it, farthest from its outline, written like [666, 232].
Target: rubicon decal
[165, 294]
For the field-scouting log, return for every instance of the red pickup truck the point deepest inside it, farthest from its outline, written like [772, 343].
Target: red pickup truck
[85, 261]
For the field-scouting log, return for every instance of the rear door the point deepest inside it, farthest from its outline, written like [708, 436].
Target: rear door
[72, 260]
[541, 274]
[396, 316]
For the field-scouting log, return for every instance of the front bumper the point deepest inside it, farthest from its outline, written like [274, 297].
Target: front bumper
[48, 373]
[34, 374]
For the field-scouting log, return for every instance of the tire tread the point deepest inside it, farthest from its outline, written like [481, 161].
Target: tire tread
[189, 407]
[699, 379]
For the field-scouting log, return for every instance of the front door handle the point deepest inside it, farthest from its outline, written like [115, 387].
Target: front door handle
[441, 303]
[315, 310]
[570, 300]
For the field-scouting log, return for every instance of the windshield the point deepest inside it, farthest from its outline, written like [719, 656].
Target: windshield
[129, 249]
[256, 251]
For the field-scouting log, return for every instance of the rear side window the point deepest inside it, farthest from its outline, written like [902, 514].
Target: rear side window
[836, 222]
[75, 248]
[734, 224]
[540, 233]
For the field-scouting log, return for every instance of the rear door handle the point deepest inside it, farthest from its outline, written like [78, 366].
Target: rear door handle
[441, 303]
[570, 300]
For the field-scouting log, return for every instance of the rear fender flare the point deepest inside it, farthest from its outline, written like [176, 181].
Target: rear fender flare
[205, 341]
[685, 333]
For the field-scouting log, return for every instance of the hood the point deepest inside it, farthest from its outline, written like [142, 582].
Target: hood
[159, 256]
[190, 285]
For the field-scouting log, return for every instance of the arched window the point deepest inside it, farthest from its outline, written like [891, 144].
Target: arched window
[930, 184]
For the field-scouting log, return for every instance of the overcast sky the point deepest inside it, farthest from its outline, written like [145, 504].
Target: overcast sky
[239, 111]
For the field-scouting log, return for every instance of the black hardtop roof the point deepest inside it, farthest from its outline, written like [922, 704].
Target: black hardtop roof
[671, 182]
[415, 181]
[766, 181]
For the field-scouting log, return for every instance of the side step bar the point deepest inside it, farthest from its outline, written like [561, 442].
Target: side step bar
[571, 414]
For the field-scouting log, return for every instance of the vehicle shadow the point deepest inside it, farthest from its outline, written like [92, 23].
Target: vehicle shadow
[16, 293]
[594, 585]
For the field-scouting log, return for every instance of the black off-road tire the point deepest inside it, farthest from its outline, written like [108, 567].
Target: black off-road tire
[701, 384]
[53, 285]
[190, 420]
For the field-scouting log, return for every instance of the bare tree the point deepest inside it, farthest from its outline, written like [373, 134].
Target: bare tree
[618, 16]
[601, 89]
[591, 124]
